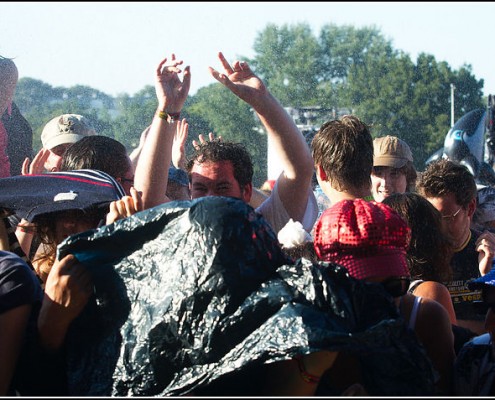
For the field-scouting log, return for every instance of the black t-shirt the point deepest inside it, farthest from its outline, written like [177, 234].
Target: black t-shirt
[18, 283]
[20, 139]
[465, 266]
[19, 286]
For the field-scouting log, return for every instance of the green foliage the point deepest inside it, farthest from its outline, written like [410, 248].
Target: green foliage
[288, 61]
[343, 67]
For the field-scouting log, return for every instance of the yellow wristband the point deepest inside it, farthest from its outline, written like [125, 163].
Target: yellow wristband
[169, 117]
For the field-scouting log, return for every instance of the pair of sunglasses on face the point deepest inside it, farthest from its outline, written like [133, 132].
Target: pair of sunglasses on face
[397, 286]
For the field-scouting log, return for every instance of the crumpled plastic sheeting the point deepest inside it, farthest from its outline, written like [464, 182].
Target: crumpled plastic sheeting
[199, 289]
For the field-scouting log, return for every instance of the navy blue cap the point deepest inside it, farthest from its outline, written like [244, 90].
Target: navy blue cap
[30, 196]
[488, 279]
[178, 176]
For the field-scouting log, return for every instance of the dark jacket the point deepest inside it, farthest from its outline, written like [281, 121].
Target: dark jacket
[20, 140]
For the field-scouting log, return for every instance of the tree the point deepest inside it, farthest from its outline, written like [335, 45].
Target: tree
[288, 62]
[409, 101]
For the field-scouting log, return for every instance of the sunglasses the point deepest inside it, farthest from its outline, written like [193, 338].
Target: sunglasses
[450, 218]
[397, 286]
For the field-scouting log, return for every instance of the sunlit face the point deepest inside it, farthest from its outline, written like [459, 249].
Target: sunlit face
[386, 181]
[217, 179]
[72, 222]
[456, 219]
[54, 160]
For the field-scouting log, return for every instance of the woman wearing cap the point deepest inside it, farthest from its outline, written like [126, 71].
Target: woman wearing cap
[370, 240]
[393, 168]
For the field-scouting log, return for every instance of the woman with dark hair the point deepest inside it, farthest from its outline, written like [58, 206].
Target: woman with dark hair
[428, 255]
[429, 252]
[370, 240]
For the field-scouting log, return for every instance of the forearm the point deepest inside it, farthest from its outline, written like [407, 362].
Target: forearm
[287, 141]
[292, 151]
[52, 327]
[151, 173]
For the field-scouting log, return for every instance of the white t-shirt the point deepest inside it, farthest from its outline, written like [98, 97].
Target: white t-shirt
[274, 212]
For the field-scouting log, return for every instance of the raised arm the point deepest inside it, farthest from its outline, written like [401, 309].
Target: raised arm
[151, 173]
[287, 140]
[179, 146]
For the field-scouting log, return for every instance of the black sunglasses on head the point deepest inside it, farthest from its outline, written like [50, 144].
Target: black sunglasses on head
[397, 286]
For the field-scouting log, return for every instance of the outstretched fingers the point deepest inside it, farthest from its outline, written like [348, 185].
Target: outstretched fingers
[225, 63]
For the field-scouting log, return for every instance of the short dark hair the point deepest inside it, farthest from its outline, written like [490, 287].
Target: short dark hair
[219, 150]
[444, 176]
[344, 150]
[98, 152]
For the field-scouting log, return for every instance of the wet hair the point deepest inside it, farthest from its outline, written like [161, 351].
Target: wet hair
[442, 177]
[98, 152]
[344, 150]
[219, 150]
[430, 250]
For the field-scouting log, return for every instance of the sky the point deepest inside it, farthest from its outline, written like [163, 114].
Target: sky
[115, 47]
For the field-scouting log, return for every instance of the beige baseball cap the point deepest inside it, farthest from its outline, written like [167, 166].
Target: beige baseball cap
[66, 128]
[390, 151]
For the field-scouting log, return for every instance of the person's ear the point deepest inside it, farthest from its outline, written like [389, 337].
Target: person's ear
[320, 173]
[471, 207]
[247, 192]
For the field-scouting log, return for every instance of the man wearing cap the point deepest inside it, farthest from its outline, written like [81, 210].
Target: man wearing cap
[474, 369]
[58, 134]
[393, 168]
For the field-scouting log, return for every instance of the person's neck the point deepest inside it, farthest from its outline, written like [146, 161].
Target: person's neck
[349, 194]
[462, 244]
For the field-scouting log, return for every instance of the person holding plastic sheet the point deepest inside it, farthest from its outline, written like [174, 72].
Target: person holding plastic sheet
[370, 240]
[212, 306]
[474, 369]
[58, 205]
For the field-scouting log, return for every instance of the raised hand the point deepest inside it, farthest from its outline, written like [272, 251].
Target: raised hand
[125, 207]
[37, 166]
[485, 245]
[170, 90]
[239, 78]
[179, 145]
[202, 139]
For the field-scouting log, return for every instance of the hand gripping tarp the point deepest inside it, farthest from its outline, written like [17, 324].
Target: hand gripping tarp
[189, 292]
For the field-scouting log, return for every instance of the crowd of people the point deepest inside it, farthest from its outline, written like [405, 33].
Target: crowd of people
[412, 245]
